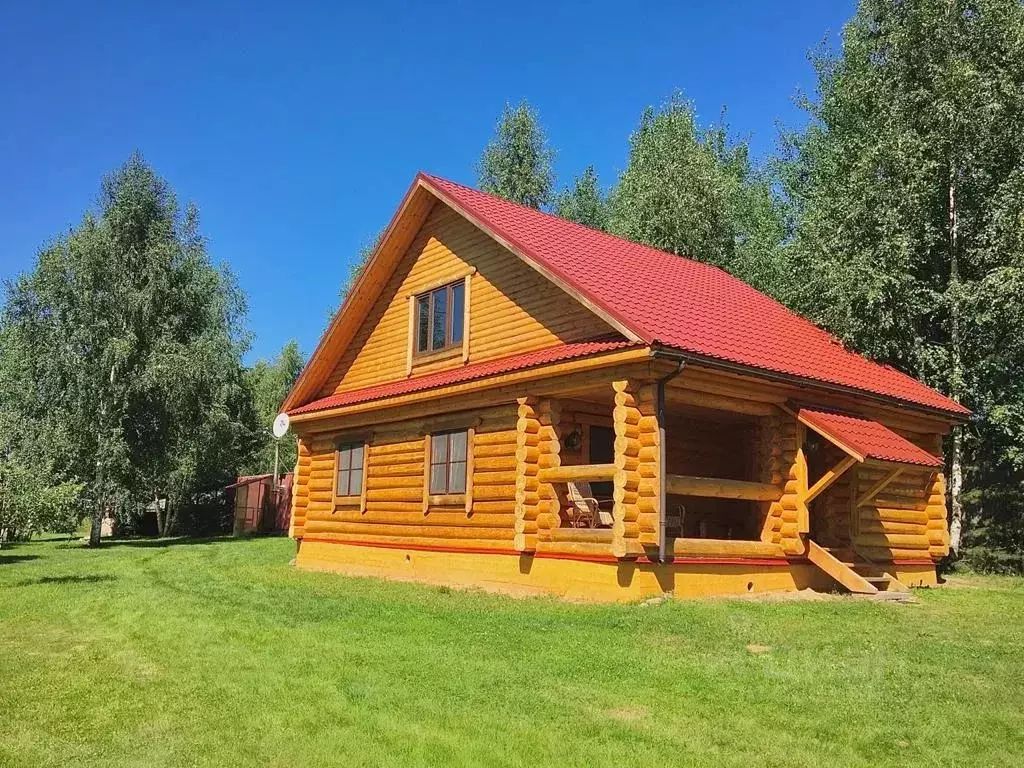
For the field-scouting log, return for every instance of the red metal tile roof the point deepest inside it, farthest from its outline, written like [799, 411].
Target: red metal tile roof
[868, 438]
[677, 302]
[465, 373]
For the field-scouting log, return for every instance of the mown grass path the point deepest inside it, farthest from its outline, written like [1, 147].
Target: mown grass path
[218, 653]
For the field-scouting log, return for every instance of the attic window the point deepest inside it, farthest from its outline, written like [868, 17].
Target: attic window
[440, 318]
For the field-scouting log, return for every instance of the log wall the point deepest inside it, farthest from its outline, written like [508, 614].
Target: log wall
[512, 307]
[300, 489]
[395, 479]
[831, 513]
[907, 520]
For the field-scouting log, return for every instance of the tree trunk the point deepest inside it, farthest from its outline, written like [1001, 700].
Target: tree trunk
[956, 464]
[170, 518]
[956, 482]
[160, 522]
[99, 503]
[97, 524]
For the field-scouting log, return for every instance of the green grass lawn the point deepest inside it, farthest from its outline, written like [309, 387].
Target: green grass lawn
[218, 653]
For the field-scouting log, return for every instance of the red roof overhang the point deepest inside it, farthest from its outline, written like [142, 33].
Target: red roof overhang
[464, 374]
[865, 439]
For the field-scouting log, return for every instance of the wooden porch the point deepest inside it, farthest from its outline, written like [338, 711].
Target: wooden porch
[691, 482]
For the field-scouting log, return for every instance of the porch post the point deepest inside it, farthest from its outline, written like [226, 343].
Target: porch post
[787, 519]
[636, 494]
[527, 467]
[549, 446]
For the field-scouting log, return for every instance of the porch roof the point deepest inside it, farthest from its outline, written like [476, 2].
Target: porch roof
[466, 373]
[867, 439]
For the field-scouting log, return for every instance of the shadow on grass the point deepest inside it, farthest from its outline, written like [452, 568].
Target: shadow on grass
[95, 578]
[5, 559]
[175, 541]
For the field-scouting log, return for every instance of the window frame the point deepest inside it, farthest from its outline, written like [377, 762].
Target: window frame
[447, 497]
[451, 309]
[347, 495]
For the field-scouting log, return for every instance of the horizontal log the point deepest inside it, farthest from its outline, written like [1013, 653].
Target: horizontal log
[577, 473]
[397, 470]
[591, 535]
[507, 477]
[495, 464]
[575, 548]
[501, 437]
[409, 532]
[396, 506]
[725, 548]
[394, 494]
[720, 488]
[886, 526]
[502, 542]
[895, 515]
[388, 449]
[435, 517]
[938, 538]
[524, 526]
[501, 506]
[374, 483]
[884, 554]
[897, 540]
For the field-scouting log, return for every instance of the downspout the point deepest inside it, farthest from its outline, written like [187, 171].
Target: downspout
[662, 482]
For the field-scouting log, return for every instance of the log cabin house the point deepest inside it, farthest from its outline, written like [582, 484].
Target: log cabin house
[516, 402]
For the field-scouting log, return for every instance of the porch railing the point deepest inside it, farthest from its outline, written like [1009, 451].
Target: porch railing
[720, 488]
[572, 473]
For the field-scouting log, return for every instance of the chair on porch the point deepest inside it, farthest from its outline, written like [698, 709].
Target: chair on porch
[585, 511]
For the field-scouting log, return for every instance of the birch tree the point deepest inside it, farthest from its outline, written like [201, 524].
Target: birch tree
[517, 163]
[584, 202]
[693, 191]
[907, 204]
[126, 345]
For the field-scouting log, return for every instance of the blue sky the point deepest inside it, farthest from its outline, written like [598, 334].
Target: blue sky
[296, 129]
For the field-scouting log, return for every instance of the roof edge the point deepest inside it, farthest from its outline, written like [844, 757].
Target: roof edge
[304, 380]
[615, 349]
[660, 349]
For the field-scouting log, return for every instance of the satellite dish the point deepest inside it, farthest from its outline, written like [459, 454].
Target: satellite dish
[281, 425]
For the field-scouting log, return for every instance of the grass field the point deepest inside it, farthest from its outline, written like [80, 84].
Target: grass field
[218, 653]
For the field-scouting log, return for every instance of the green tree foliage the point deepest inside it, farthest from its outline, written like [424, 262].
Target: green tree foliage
[361, 260]
[122, 353]
[908, 202]
[517, 162]
[584, 202]
[28, 504]
[270, 382]
[691, 191]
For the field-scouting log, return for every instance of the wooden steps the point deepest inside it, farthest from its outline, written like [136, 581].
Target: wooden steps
[839, 570]
[857, 576]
